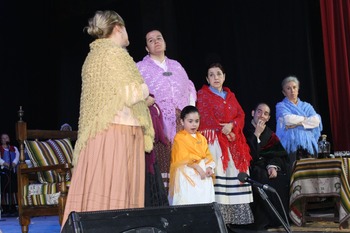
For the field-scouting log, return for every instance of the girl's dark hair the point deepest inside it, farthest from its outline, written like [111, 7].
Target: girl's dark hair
[187, 110]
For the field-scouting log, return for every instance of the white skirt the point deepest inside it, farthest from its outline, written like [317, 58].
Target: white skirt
[228, 189]
[201, 192]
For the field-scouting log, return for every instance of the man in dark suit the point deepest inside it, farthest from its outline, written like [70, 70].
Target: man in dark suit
[269, 165]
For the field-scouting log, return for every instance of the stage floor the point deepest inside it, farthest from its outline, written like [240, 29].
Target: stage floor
[50, 225]
[47, 224]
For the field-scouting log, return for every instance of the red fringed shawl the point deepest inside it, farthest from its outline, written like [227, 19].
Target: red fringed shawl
[215, 110]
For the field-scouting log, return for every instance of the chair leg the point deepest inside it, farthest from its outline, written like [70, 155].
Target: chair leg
[303, 211]
[24, 221]
[63, 197]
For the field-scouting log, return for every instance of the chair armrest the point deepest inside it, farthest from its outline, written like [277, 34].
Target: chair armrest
[59, 168]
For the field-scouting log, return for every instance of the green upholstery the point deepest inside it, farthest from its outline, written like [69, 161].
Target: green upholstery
[46, 153]
[50, 152]
[41, 194]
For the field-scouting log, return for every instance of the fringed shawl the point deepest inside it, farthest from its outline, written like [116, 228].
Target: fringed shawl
[215, 110]
[294, 138]
[109, 80]
[187, 150]
[171, 89]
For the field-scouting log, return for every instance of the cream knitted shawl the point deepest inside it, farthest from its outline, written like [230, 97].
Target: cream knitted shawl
[108, 74]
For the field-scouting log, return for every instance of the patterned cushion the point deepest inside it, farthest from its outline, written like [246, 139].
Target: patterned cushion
[50, 152]
[41, 194]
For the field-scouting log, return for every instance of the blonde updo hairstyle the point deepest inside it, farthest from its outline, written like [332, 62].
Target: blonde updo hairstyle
[102, 24]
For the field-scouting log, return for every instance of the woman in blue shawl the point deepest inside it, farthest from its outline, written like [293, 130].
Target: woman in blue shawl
[298, 124]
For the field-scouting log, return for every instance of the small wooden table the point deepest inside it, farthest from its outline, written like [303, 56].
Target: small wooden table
[320, 178]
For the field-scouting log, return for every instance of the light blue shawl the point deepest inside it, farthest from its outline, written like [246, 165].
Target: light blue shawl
[294, 138]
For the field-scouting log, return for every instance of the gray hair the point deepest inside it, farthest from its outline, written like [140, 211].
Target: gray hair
[103, 22]
[290, 79]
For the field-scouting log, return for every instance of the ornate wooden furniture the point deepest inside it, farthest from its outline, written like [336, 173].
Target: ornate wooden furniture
[42, 188]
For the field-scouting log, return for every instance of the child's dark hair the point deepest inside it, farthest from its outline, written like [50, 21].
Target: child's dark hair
[187, 110]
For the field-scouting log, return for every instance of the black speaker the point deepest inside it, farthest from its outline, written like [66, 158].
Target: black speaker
[198, 218]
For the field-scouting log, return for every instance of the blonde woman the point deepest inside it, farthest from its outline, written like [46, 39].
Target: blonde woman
[115, 128]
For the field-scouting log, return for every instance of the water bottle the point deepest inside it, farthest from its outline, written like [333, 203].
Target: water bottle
[324, 147]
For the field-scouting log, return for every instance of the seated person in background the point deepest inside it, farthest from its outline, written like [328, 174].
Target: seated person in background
[66, 127]
[8, 161]
[270, 165]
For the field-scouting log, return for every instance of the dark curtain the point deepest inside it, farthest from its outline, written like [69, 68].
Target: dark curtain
[258, 42]
[336, 38]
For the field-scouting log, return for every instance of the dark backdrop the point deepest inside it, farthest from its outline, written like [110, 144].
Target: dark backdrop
[43, 47]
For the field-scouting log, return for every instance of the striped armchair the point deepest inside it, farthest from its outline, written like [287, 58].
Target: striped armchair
[43, 187]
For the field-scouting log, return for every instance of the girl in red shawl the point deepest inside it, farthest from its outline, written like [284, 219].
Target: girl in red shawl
[222, 122]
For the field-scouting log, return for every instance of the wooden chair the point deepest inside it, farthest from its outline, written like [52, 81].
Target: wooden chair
[28, 176]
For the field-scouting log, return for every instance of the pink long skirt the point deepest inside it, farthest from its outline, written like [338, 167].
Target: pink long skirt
[110, 173]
